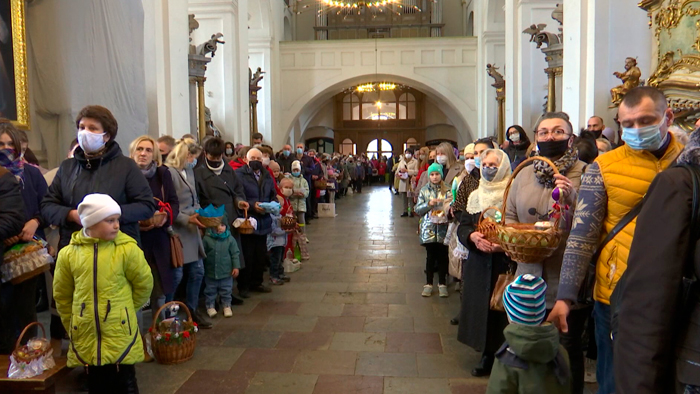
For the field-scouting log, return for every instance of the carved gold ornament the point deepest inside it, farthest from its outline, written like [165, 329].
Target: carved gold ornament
[669, 17]
[19, 51]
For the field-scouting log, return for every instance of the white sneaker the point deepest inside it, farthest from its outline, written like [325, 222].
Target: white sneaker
[443, 291]
[427, 291]
[211, 312]
[590, 376]
[227, 311]
[307, 240]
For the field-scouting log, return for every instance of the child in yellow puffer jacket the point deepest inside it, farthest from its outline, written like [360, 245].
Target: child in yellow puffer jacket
[101, 280]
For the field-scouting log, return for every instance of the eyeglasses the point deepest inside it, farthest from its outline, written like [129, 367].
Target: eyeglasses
[556, 133]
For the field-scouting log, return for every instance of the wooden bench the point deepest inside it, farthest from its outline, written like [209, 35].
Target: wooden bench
[44, 383]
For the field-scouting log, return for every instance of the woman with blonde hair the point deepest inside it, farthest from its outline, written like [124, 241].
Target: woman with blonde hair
[181, 162]
[446, 157]
[154, 238]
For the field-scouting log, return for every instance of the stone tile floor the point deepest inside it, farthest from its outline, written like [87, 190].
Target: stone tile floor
[351, 321]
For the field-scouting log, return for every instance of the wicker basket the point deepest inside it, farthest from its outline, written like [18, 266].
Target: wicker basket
[488, 226]
[26, 355]
[157, 217]
[320, 184]
[210, 222]
[25, 261]
[521, 241]
[288, 223]
[246, 228]
[173, 353]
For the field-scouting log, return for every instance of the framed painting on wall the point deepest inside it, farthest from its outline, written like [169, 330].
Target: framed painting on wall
[14, 99]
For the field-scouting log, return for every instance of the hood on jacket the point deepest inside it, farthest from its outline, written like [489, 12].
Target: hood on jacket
[238, 163]
[539, 344]
[112, 150]
[691, 153]
[211, 232]
[79, 238]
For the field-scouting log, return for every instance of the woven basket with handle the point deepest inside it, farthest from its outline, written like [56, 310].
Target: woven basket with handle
[522, 242]
[488, 226]
[26, 355]
[246, 227]
[210, 222]
[173, 352]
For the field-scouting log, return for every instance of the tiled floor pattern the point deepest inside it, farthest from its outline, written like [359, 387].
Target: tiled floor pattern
[351, 321]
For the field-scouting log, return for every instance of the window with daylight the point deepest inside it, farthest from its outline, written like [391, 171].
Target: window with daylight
[347, 147]
[351, 107]
[379, 148]
[407, 106]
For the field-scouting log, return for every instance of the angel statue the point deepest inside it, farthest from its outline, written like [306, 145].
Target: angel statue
[211, 45]
[499, 83]
[534, 30]
[630, 80]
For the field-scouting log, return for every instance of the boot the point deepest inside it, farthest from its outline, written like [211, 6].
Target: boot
[484, 366]
[146, 357]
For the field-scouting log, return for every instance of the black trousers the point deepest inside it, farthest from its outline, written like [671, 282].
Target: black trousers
[357, 185]
[437, 257]
[256, 259]
[17, 310]
[112, 379]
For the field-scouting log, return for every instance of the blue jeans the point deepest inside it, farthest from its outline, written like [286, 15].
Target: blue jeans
[276, 257]
[604, 370]
[222, 287]
[195, 273]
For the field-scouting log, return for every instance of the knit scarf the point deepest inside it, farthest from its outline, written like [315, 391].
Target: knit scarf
[12, 162]
[490, 193]
[466, 187]
[150, 170]
[216, 170]
[544, 172]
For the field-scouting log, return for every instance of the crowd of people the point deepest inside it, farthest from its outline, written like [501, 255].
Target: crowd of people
[616, 207]
[621, 281]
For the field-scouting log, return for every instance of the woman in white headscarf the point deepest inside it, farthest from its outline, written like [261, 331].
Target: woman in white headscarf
[480, 327]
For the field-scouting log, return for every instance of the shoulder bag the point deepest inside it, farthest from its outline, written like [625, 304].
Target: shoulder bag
[177, 257]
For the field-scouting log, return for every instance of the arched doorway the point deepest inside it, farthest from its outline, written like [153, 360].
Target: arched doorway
[377, 148]
[347, 147]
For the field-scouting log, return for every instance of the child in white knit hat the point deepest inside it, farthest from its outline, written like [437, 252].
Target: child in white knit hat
[101, 280]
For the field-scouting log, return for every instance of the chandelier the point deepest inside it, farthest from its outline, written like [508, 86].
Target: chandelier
[355, 6]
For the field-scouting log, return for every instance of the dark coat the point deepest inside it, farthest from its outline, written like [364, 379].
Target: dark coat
[112, 173]
[156, 242]
[286, 162]
[33, 191]
[11, 208]
[479, 327]
[218, 190]
[258, 191]
[652, 324]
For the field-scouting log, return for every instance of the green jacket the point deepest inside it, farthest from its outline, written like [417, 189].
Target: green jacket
[531, 361]
[98, 286]
[222, 254]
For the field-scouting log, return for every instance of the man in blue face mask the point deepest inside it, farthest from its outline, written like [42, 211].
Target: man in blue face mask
[611, 191]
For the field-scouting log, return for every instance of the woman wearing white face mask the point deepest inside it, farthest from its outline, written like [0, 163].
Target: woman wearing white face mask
[446, 157]
[97, 166]
[407, 168]
[518, 144]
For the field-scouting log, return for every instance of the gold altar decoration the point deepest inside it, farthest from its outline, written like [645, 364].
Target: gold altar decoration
[630, 80]
[14, 85]
[676, 27]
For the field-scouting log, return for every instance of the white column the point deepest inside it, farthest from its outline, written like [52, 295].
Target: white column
[489, 27]
[166, 30]
[526, 82]
[226, 87]
[602, 33]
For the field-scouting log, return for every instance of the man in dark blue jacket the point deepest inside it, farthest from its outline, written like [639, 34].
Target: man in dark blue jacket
[259, 187]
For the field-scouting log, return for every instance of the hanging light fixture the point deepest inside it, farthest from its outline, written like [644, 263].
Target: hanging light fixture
[354, 6]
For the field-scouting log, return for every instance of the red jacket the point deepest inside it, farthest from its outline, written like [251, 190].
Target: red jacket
[236, 164]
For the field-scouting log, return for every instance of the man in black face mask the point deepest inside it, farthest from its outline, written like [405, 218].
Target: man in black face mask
[259, 187]
[596, 126]
[217, 184]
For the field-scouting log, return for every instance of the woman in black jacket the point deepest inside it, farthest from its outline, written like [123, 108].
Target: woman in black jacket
[518, 142]
[21, 297]
[12, 220]
[98, 166]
